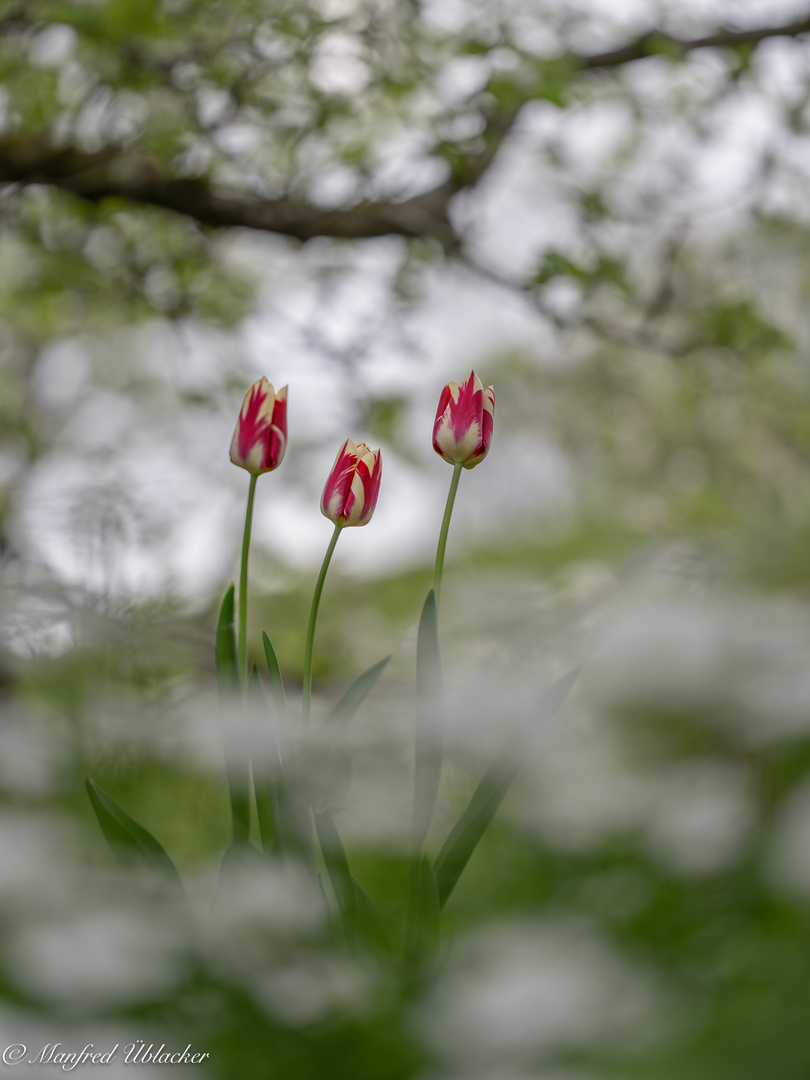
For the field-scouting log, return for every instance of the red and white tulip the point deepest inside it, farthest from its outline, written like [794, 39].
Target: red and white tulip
[462, 431]
[260, 438]
[351, 491]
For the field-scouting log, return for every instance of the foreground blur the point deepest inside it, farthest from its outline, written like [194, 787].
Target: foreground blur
[637, 910]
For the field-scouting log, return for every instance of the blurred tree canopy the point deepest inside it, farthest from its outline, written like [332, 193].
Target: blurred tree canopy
[636, 177]
[229, 114]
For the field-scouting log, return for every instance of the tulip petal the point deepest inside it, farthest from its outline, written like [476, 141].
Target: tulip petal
[254, 421]
[444, 399]
[339, 482]
[356, 496]
[373, 487]
[278, 431]
[465, 412]
[488, 419]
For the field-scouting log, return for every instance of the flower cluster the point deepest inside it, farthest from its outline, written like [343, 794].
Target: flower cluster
[462, 433]
[292, 797]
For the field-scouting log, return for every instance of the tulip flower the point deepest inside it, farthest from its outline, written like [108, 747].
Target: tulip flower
[258, 445]
[351, 491]
[260, 438]
[462, 431]
[348, 499]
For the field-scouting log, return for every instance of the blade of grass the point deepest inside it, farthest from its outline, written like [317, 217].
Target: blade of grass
[487, 797]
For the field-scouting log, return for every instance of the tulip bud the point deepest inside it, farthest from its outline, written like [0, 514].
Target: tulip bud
[463, 428]
[351, 491]
[260, 438]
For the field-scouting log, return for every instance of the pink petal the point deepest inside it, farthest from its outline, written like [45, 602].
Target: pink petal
[337, 491]
[467, 409]
[277, 443]
[373, 487]
[253, 427]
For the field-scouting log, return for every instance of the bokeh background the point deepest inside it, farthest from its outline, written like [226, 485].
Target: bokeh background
[604, 209]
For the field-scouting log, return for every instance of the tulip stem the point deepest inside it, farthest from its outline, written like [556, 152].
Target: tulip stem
[448, 513]
[313, 618]
[243, 582]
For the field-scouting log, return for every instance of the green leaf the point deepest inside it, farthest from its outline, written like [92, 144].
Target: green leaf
[738, 326]
[225, 646]
[613, 271]
[262, 782]
[237, 765]
[284, 751]
[275, 674]
[127, 838]
[236, 860]
[557, 694]
[664, 45]
[293, 818]
[324, 776]
[423, 924]
[744, 53]
[555, 79]
[337, 866]
[294, 821]
[468, 830]
[357, 693]
[487, 797]
[370, 927]
[429, 717]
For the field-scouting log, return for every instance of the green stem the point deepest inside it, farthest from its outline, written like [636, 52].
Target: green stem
[313, 618]
[448, 513]
[243, 583]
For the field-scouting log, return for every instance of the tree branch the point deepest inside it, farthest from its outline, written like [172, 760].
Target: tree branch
[125, 174]
[113, 173]
[654, 43]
